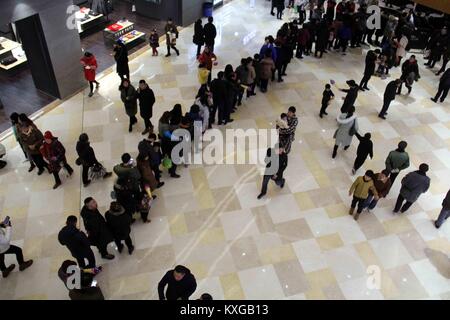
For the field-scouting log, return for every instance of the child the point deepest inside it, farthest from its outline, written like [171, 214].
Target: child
[331, 38]
[154, 42]
[203, 74]
[382, 68]
[282, 123]
[327, 96]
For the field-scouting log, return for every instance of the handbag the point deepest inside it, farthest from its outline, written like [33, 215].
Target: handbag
[352, 130]
[96, 172]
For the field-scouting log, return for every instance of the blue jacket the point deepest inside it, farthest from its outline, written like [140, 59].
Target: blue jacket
[264, 48]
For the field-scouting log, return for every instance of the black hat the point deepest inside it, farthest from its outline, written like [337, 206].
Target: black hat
[351, 83]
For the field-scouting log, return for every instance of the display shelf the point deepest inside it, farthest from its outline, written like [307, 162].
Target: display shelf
[8, 45]
[19, 61]
[92, 21]
[137, 35]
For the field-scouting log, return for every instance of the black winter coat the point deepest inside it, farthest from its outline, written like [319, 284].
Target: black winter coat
[121, 57]
[365, 147]
[86, 154]
[210, 33]
[75, 240]
[391, 89]
[146, 101]
[350, 99]
[218, 90]
[371, 59]
[199, 35]
[119, 224]
[95, 224]
[177, 289]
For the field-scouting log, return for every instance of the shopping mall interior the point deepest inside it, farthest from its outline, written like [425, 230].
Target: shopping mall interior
[301, 239]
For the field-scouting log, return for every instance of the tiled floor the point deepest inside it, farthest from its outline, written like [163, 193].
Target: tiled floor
[298, 243]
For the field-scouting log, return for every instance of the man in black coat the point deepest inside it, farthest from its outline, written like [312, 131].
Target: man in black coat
[146, 101]
[410, 73]
[219, 94]
[365, 149]
[389, 95]
[77, 243]
[369, 69]
[444, 86]
[98, 231]
[350, 98]
[210, 33]
[180, 282]
[119, 223]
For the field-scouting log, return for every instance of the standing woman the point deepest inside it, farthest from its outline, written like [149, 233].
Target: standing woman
[90, 67]
[348, 126]
[32, 138]
[55, 154]
[199, 36]
[121, 57]
[171, 37]
[129, 97]
[86, 158]
[146, 102]
[16, 128]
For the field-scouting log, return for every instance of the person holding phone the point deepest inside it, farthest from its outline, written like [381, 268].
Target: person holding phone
[7, 248]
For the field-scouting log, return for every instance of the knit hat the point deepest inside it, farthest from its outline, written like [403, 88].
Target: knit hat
[48, 135]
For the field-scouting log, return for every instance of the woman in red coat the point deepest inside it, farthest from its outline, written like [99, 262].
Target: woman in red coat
[90, 66]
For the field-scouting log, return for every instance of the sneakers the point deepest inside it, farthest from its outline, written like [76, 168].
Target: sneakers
[8, 270]
[25, 265]
[356, 216]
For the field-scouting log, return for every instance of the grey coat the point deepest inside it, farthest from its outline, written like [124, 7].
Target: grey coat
[342, 135]
[413, 185]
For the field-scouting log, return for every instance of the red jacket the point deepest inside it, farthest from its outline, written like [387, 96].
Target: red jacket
[303, 37]
[207, 59]
[89, 74]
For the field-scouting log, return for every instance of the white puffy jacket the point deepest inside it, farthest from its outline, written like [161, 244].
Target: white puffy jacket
[5, 238]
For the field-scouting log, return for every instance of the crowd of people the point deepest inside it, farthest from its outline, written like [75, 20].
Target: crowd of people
[329, 28]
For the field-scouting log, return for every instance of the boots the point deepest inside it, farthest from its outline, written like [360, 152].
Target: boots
[25, 265]
[356, 216]
[350, 212]
[8, 270]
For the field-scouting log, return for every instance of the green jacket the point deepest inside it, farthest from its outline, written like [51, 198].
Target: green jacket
[397, 160]
[130, 173]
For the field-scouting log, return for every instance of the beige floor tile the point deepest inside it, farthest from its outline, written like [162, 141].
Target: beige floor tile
[330, 242]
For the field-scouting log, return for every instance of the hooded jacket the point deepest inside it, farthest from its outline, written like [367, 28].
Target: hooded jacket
[342, 134]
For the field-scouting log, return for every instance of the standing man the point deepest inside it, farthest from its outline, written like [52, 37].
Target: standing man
[7, 248]
[219, 93]
[180, 282]
[397, 160]
[445, 212]
[146, 101]
[350, 98]
[95, 224]
[444, 86]
[78, 244]
[171, 35]
[369, 69]
[210, 32]
[410, 73]
[413, 185]
[389, 96]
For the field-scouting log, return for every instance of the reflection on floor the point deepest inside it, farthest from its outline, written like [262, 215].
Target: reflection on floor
[299, 243]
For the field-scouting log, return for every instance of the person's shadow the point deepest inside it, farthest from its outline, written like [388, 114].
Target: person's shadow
[440, 261]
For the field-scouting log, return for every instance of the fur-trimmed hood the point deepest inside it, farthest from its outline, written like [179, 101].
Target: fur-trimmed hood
[342, 118]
